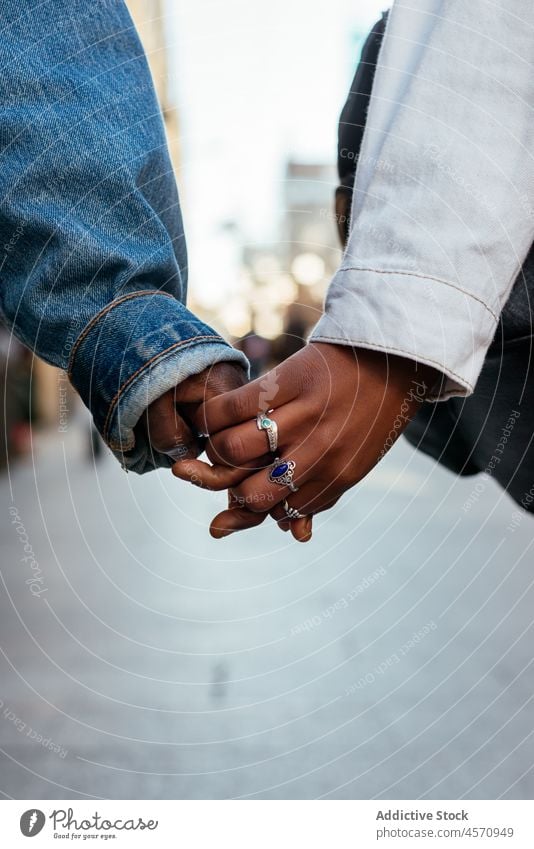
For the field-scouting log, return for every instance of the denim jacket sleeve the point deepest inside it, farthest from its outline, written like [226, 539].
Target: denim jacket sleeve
[93, 265]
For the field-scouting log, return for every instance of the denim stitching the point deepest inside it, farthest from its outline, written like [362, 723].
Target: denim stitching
[87, 329]
[136, 374]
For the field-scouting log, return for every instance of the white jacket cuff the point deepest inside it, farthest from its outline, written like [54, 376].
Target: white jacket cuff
[381, 310]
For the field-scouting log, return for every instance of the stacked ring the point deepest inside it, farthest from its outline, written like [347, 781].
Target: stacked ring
[282, 473]
[263, 422]
[292, 512]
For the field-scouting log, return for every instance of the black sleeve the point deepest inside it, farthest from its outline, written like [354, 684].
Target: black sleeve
[354, 113]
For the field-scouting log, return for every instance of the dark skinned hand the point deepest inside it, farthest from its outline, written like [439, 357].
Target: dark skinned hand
[338, 411]
[169, 421]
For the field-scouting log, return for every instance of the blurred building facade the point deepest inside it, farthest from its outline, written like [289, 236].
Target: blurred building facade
[283, 283]
[149, 20]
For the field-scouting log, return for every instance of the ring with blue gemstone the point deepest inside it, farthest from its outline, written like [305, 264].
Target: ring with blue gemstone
[282, 472]
[263, 422]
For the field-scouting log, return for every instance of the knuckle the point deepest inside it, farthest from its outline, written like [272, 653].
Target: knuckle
[165, 434]
[223, 377]
[232, 448]
[162, 443]
[237, 406]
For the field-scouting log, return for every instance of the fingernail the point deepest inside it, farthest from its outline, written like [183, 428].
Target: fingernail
[219, 534]
[309, 524]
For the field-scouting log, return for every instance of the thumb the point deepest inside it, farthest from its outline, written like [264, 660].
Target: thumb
[192, 393]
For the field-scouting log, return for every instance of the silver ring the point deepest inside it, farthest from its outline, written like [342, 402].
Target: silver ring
[178, 453]
[263, 422]
[282, 472]
[292, 512]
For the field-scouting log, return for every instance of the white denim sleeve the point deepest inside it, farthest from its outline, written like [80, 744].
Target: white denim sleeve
[443, 207]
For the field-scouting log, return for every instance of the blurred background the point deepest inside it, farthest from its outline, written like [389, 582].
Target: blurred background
[390, 657]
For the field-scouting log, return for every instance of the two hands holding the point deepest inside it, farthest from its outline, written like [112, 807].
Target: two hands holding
[337, 410]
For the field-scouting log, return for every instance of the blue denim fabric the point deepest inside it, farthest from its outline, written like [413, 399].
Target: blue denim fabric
[93, 264]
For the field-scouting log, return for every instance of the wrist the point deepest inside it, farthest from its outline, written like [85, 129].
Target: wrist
[395, 374]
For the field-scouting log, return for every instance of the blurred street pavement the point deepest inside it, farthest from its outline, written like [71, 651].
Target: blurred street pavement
[390, 657]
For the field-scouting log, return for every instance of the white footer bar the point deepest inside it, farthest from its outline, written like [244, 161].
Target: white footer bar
[269, 824]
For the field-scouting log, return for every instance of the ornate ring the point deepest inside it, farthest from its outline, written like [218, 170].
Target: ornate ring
[282, 473]
[263, 422]
[292, 512]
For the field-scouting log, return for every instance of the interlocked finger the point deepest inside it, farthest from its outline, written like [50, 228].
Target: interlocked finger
[216, 478]
[244, 442]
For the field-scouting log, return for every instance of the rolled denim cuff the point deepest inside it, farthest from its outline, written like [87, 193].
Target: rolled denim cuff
[131, 353]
